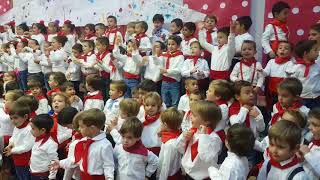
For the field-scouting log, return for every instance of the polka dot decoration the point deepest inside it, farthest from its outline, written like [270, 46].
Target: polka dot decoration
[5, 5]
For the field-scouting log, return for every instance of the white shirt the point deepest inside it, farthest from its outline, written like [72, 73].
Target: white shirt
[20, 63]
[51, 36]
[145, 45]
[208, 150]
[132, 64]
[201, 66]
[240, 38]
[46, 67]
[58, 60]
[186, 121]
[269, 35]
[185, 46]
[93, 103]
[278, 70]
[222, 124]
[184, 103]
[115, 74]
[149, 135]
[111, 109]
[100, 157]
[63, 133]
[112, 37]
[42, 155]
[6, 126]
[233, 167]
[220, 58]
[43, 107]
[22, 140]
[9, 60]
[78, 104]
[132, 166]
[68, 164]
[41, 39]
[153, 66]
[311, 163]
[68, 46]
[175, 65]
[116, 136]
[248, 73]
[303, 109]
[73, 71]
[169, 160]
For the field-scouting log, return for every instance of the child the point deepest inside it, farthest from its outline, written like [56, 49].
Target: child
[152, 63]
[43, 61]
[70, 91]
[239, 142]
[92, 153]
[210, 22]
[20, 63]
[132, 65]
[56, 80]
[186, 122]
[73, 73]
[171, 73]
[243, 25]
[68, 31]
[169, 157]
[58, 57]
[200, 146]
[142, 39]
[195, 66]
[94, 99]
[188, 30]
[38, 31]
[222, 54]
[89, 32]
[308, 72]
[246, 112]
[191, 86]
[284, 138]
[159, 33]
[36, 90]
[248, 69]
[21, 141]
[151, 121]
[53, 28]
[311, 153]
[113, 32]
[175, 27]
[277, 30]
[34, 53]
[289, 91]
[278, 69]
[100, 29]
[44, 149]
[314, 33]
[88, 60]
[32, 102]
[130, 31]
[9, 76]
[134, 160]
[116, 94]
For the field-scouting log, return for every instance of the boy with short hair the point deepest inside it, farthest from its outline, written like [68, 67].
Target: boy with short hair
[188, 30]
[56, 80]
[159, 33]
[100, 29]
[112, 33]
[176, 26]
[191, 86]
[94, 99]
[142, 39]
[243, 25]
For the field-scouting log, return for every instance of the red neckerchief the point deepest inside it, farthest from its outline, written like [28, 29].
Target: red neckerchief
[85, 56]
[139, 36]
[195, 59]
[188, 93]
[89, 36]
[283, 26]
[295, 105]
[150, 119]
[220, 102]
[171, 55]
[306, 64]
[315, 143]
[209, 37]
[23, 125]
[43, 137]
[248, 63]
[54, 129]
[137, 148]
[276, 164]
[111, 31]
[187, 39]
[194, 146]
[51, 92]
[167, 135]
[100, 57]
[40, 97]
[81, 151]
[282, 60]
[96, 96]
[76, 135]
[235, 109]
[32, 115]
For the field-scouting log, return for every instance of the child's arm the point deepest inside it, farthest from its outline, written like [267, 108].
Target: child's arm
[234, 76]
[260, 76]
[265, 40]
[137, 58]
[185, 69]
[52, 156]
[90, 62]
[108, 163]
[205, 69]
[312, 158]
[267, 70]
[231, 41]
[203, 42]
[263, 171]
[181, 142]
[24, 146]
[116, 136]
[240, 117]
[152, 164]
[258, 117]
[177, 68]
[117, 55]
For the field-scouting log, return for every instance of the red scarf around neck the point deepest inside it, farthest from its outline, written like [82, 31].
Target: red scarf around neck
[276, 164]
[220, 102]
[282, 60]
[101, 56]
[150, 119]
[283, 26]
[169, 55]
[295, 105]
[306, 64]
[167, 135]
[209, 37]
[139, 36]
[248, 62]
[89, 36]
[85, 56]
[187, 39]
[194, 146]
[25, 124]
[194, 59]
[43, 137]
[137, 148]
[235, 109]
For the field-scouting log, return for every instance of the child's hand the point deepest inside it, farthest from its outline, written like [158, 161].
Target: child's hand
[254, 112]
[247, 106]
[54, 166]
[304, 149]
[163, 70]
[47, 53]
[201, 25]
[188, 135]
[118, 40]
[233, 27]
[145, 59]
[7, 151]
[112, 124]
[193, 70]
[272, 55]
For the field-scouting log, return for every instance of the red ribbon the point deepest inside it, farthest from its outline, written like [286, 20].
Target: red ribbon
[307, 64]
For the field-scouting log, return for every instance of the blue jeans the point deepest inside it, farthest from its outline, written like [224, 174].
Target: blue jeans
[22, 173]
[22, 79]
[46, 79]
[131, 83]
[170, 93]
[311, 103]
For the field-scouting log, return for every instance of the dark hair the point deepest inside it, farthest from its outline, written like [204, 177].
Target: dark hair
[304, 46]
[144, 25]
[41, 27]
[224, 30]
[31, 101]
[190, 26]
[316, 27]
[132, 125]
[148, 85]
[103, 40]
[292, 85]
[239, 85]
[178, 22]
[250, 42]
[78, 47]
[211, 16]
[23, 26]
[90, 26]
[71, 26]
[314, 113]
[59, 77]
[158, 17]
[44, 121]
[176, 39]
[89, 42]
[287, 42]
[61, 39]
[100, 25]
[11, 85]
[240, 139]
[285, 131]
[66, 115]
[112, 17]
[95, 81]
[34, 84]
[19, 108]
[162, 45]
[15, 94]
[35, 41]
[66, 85]
[245, 21]
[278, 7]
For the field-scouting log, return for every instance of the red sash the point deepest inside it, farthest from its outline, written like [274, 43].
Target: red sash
[296, 105]
[273, 83]
[219, 74]
[130, 75]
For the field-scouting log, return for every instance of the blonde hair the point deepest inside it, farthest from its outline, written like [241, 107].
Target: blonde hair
[208, 112]
[172, 118]
[298, 117]
[63, 95]
[91, 117]
[153, 97]
[222, 88]
[129, 106]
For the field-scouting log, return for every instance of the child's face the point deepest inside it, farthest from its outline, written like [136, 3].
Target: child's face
[187, 32]
[35, 131]
[18, 120]
[192, 86]
[194, 98]
[130, 30]
[52, 83]
[75, 53]
[138, 28]
[99, 31]
[211, 96]
[135, 96]
[70, 91]
[280, 150]
[19, 31]
[246, 95]
[58, 103]
[7, 101]
[7, 77]
[131, 47]
[129, 140]
[222, 38]
[20, 46]
[314, 35]
[285, 98]
[172, 46]
[32, 44]
[174, 28]
[283, 15]
[100, 47]
[51, 28]
[141, 94]
[151, 107]
[209, 23]
[195, 49]
[56, 45]
[65, 29]
[238, 27]
[86, 48]
[36, 91]
[247, 51]
[284, 50]
[114, 93]
[35, 29]
[196, 120]
[314, 126]
[156, 49]
[111, 23]
[312, 54]
[157, 24]
[87, 31]
[84, 129]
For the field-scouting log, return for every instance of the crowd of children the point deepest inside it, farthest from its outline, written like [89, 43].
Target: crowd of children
[189, 103]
